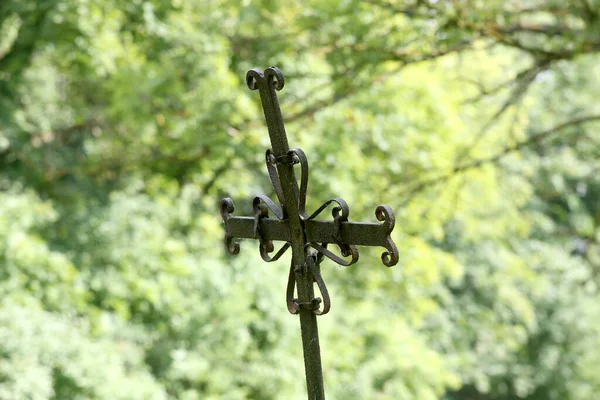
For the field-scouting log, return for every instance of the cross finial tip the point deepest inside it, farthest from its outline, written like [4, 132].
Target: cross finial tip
[271, 76]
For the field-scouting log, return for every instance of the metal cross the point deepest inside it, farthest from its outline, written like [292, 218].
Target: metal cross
[307, 236]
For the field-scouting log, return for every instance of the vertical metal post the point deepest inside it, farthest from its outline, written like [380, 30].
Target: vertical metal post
[267, 83]
[299, 230]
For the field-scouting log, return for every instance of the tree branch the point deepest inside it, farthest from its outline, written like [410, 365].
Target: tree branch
[535, 138]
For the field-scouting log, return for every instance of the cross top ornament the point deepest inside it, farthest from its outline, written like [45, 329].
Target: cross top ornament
[302, 232]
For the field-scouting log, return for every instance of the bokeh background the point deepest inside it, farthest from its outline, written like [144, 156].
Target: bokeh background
[124, 122]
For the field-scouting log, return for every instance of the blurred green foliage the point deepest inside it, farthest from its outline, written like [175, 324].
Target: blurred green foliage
[123, 123]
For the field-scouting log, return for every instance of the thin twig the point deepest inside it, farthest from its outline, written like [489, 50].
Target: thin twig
[419, 187]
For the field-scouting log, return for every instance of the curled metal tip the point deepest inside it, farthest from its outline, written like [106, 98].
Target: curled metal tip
[253, 76]
[231, 246]
[268, 247]
[227, 208]
[272, 76]
[275, 77]
[385, 214]
[390, 257]
[347, 251]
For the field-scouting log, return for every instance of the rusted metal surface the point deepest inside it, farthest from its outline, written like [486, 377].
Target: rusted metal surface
[310, 239]
[317, 231]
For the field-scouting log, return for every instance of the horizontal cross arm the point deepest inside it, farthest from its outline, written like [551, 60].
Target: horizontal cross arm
[352, 233]
[270, 228]
[340, 231]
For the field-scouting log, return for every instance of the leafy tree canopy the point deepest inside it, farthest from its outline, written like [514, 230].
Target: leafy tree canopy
[123, 123]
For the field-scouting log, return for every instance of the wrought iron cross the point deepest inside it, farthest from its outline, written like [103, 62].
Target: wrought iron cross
[307, 236]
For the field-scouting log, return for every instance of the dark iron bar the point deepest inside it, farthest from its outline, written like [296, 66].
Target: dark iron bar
[357, 233]
[308, 238]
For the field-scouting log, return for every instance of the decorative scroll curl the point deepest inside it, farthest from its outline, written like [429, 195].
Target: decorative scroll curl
[313, 262]
[270, 161]
[266, 248]
[261, 205]
[227, 208]
[262, 199]
[384, 213]
[313, 267]
[342, 207]
[340, 214]
[351, 251]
